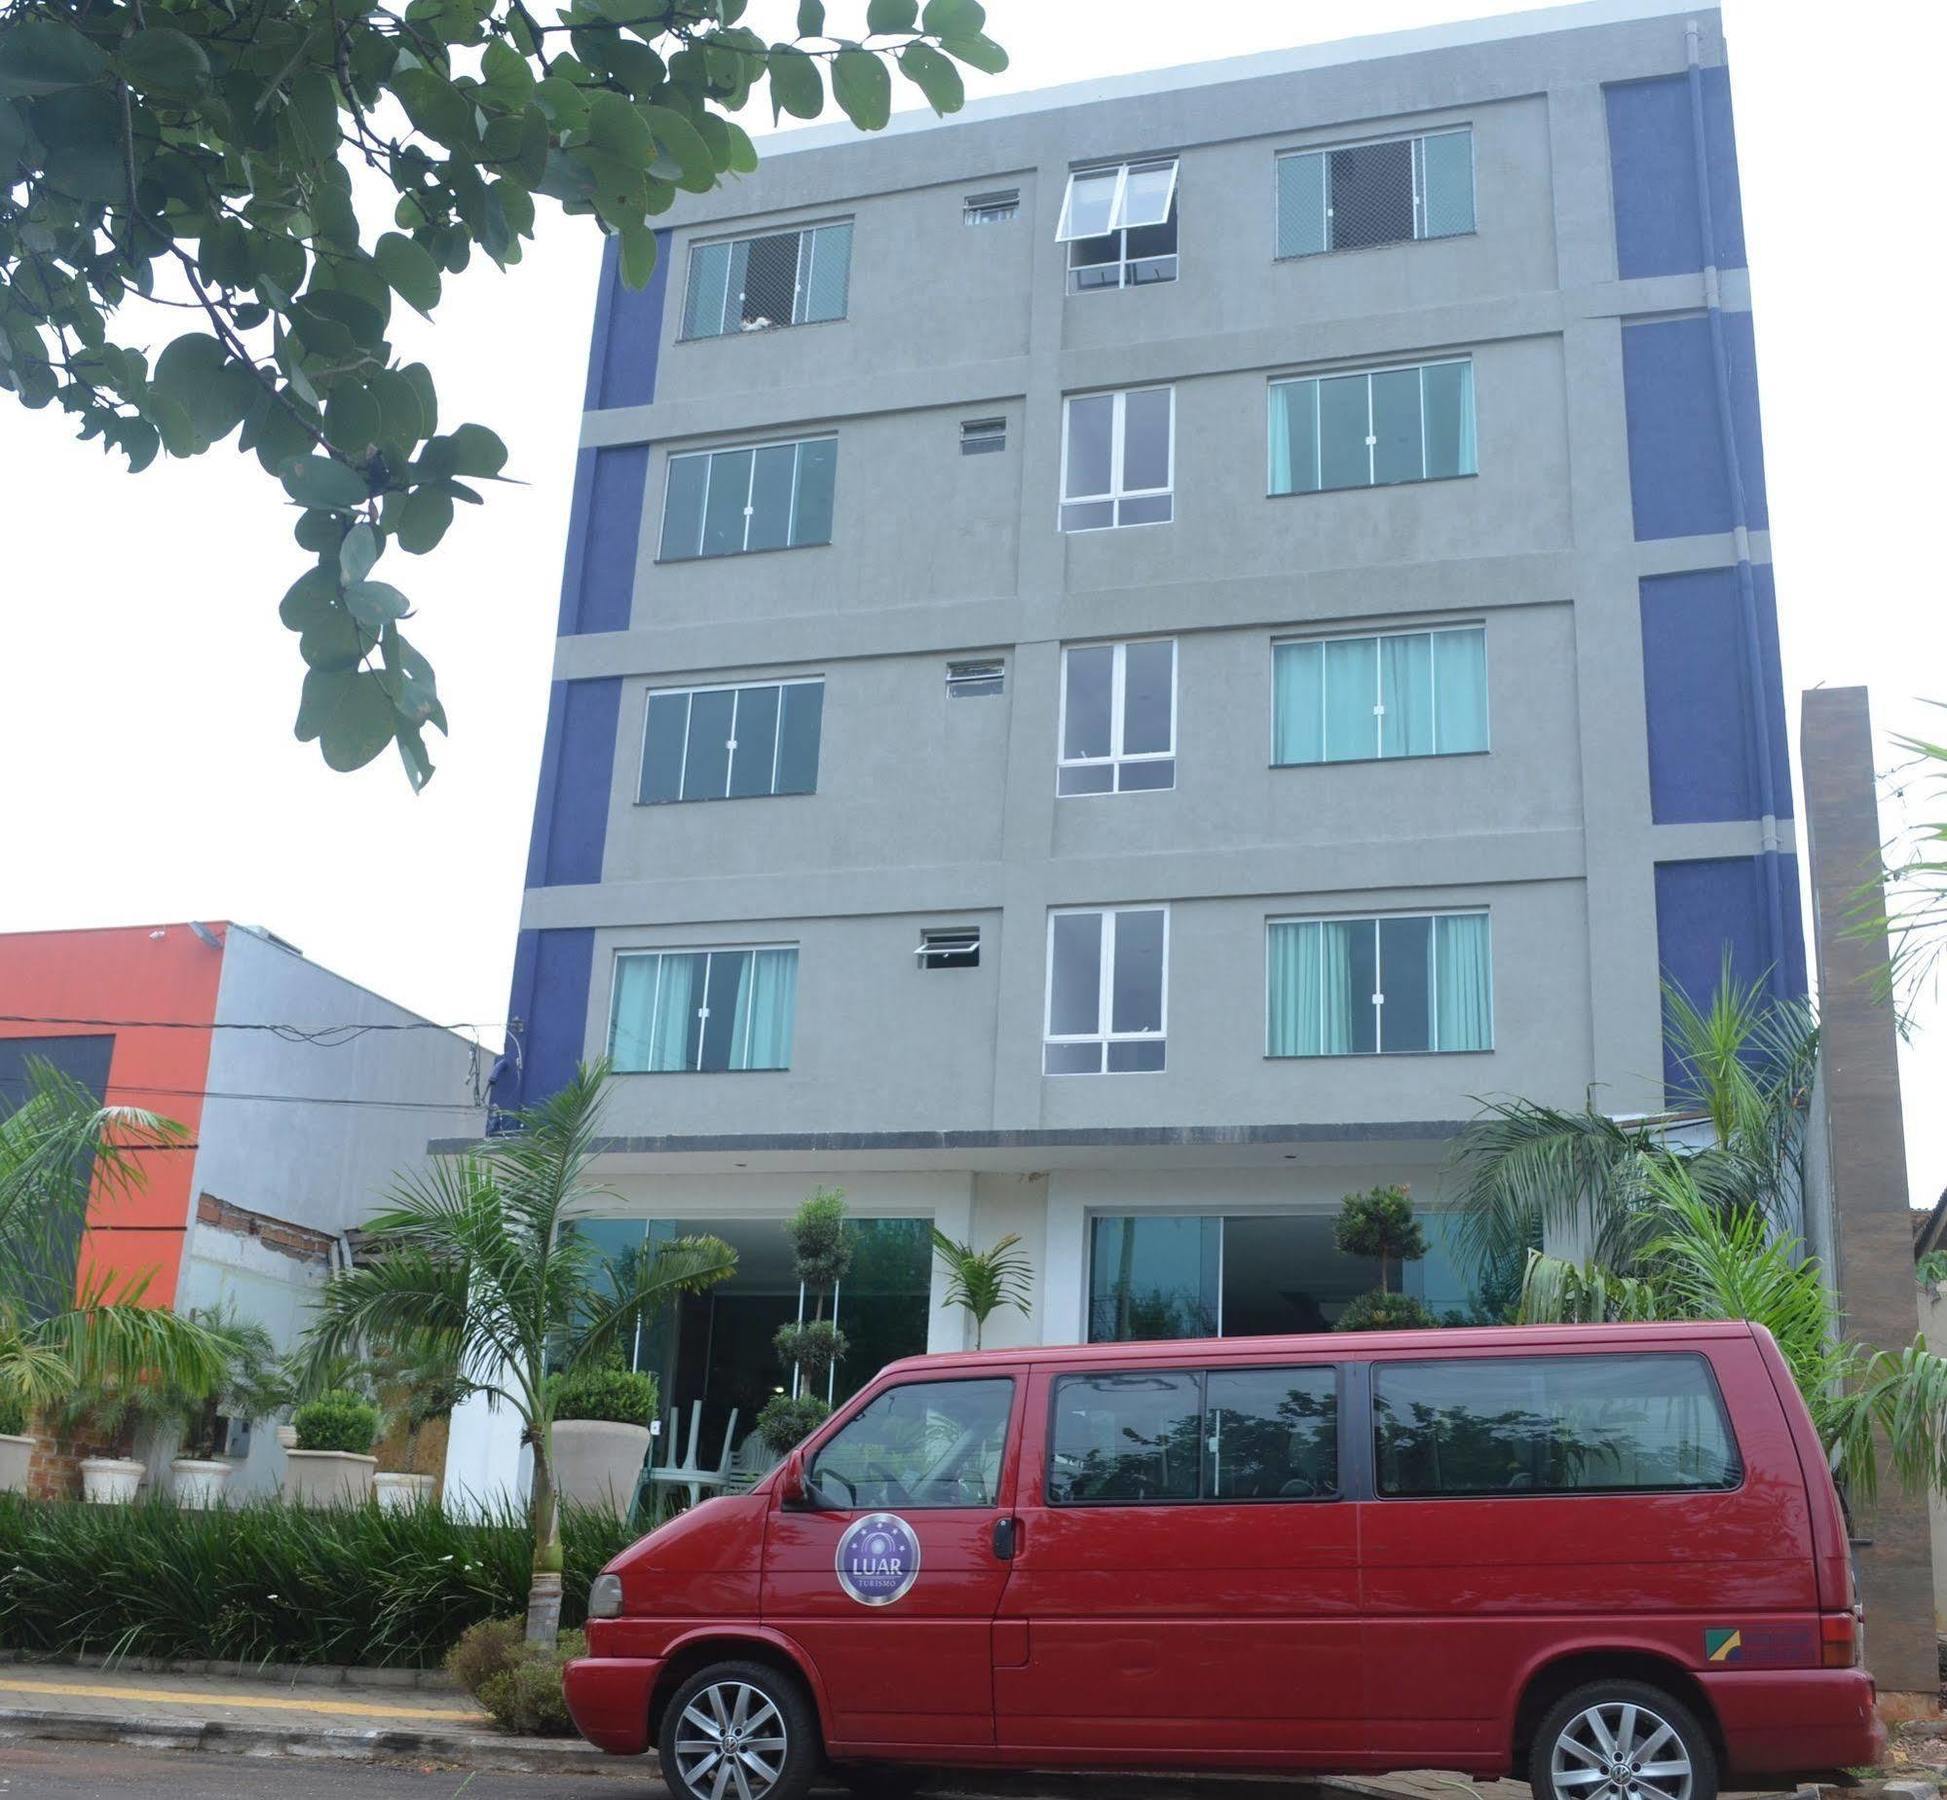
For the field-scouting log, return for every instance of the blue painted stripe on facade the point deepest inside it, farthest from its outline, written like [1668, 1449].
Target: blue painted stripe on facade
[629, 329]
[1706, 906]
[604, 533]
[549, 999]
[1697, 693]
[577, 771]
[1680, 481]
[1653, 175]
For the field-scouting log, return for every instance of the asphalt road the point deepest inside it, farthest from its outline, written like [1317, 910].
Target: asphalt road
[36, 1771]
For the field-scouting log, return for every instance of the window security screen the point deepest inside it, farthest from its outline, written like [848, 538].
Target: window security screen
[760, 283]
[1384, 193]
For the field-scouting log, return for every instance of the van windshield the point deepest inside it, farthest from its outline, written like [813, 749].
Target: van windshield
[925, 1444]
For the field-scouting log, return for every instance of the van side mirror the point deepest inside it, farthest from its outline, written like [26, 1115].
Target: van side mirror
[795, 1493]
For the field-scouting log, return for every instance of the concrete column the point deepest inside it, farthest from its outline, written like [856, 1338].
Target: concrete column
[1871, 1226]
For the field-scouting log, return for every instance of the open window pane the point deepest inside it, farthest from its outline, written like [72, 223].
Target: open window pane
[755, 754]
[770, 281]
[706, 774]
[1447, 183]
[1351, 971]
[662, 748]
[770, 497]
[1146, 439]
[799, 724]
[1301, 205]
[1345, 458]
[719, 1031]
[1075, 975]
[1405, 974]
[1137, 1001]
[1090, 701]
[1147, 195]
[1372, 194]
[1088, 211]
[811, 520]
[683, 506]
[1149, 688]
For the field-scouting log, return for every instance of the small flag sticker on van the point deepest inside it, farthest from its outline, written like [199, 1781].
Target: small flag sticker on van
[1722, 1645]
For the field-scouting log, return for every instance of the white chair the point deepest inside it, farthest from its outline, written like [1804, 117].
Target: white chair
[688, 1473]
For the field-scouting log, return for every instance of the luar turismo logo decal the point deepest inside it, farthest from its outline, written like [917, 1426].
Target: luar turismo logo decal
[878, 1559]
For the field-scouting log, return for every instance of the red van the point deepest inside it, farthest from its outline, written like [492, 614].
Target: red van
[1609, 1559]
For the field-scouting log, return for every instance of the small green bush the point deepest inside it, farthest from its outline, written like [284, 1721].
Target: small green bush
[619, 1395]
[787, 1420]
[337, 1421]
[525, 1697]
[484, 1651]
[1383, 1312]
[13, 1416]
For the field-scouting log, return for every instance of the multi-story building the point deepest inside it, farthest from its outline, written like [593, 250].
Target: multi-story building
[299, 1094]
[1128, 653]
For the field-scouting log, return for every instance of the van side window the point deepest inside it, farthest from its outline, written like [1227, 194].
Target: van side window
[1136, 1438]
[923, 1444]
[1551, 1425]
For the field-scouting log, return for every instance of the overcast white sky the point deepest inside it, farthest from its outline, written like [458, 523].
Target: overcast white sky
[147, 689]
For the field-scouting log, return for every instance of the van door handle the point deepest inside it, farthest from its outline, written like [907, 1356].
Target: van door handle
[1007, 1538]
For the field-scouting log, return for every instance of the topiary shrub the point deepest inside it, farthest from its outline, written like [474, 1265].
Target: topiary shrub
[814, 1346]
[788, 1419]
[1383, 1312]
[1380, 1223]
[619, 1395]
[13, 1416]
[337, 1421]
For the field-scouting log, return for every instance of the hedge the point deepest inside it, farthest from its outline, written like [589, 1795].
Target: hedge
[265, 1582]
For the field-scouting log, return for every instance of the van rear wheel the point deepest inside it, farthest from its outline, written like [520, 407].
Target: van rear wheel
[1622, 1740]
[739, 1731]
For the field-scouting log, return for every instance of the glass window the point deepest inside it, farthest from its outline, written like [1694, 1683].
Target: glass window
[703, 1011]
[1117, 459]
[1106, 999]
[1419, 693]
[1354, 987]
[758, 283]
[924, 1445]
[1375, 428]
[1125, 1439]
[1120, 225]
[1390, 192]
[992, 209]
[1153, 1276]
[769, 497]
[731, 743]
[1271, 1434]
[1551, 1424]
[1118, 718]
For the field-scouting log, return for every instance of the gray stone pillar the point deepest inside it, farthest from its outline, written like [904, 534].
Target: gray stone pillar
[1871, 1226]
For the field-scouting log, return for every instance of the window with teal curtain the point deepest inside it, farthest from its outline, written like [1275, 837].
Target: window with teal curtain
[632, 1020]
[1406, 695]
[679, 994]
[1351, 692]
[1298, 703]
[1311, 974]
[1464, 1003]
[656, 1024]
[1377, 427]
[1460, 690]
[767, 993]
[1294, 437]
[1431, 688]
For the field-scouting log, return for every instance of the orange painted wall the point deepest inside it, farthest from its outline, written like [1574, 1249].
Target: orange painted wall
[128, 973]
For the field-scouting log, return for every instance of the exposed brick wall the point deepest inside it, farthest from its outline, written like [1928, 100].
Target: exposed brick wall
[54, 1468]
[299, 1242]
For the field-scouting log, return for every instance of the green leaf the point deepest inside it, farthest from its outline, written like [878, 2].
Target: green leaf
[139, 441]
[436, 107]
[743, 153]
[934, 76]
[977, 52]
[349, 715]
[421, 378]
[314, 113]
[41, 56]
[375, 603]
[953, 18]
[863, 87]
[402, 424]
[319, 532]
[476, 451]
[164, 61]
[353, 422]
[186, 365]
[811, 18]
[410, 271]
[358, 553]
[422, 520]
[319, 481]
[883, 17]
[332, 641]
[618, 130]
[638, 255]
[677, 137]
[311, 599]
[796, 86]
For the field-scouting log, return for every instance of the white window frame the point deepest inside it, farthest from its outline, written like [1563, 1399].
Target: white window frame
[1000, 207]
[1324, 152]
[800, 280]
[797, 445]
[738, 689]
[1117, 493]
[707, 951]
[1118, 692]
[1104, 1035]
[1378, 695]
[1372, 436]
[1377, 1001]
[1119, 225]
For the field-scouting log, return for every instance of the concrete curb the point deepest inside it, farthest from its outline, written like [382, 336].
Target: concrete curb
[284, 1674]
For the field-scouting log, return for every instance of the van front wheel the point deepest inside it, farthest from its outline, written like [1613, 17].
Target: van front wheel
[739, 1731]
[1622, 1740]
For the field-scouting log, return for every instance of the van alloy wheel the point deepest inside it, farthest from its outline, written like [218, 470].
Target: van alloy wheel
[1620, 1750]
[731, 1743]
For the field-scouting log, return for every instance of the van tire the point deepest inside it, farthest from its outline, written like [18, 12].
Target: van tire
[1596, 1697]
[751, 1686]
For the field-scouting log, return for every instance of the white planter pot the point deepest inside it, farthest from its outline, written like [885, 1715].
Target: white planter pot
[328, 1477]
[401, 1493]
[198, 1484]
[109, 1480]
[598, 1462]
[286, 1436]
[15, 1454]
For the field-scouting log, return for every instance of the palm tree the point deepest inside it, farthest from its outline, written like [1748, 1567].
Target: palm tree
[1907, 906]
[59, 1149]
[1703, 1261]
[475, 1259]
[1528, 1171]
[981, 1282]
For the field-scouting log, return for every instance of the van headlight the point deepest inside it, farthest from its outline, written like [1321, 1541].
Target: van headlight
[605, 1597]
